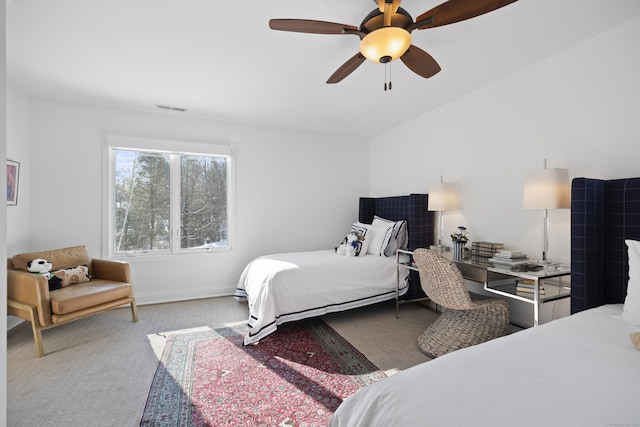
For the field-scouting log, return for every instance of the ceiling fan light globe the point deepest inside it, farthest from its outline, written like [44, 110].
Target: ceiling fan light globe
[384, 43]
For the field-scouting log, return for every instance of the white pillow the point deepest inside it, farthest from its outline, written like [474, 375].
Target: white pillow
[380, 239]
[631, 308]
[399, 236]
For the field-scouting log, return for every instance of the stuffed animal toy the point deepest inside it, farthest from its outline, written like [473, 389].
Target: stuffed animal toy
[351, 244]
[69, 276]
[59, 278]
[635, 339]
[40, 266]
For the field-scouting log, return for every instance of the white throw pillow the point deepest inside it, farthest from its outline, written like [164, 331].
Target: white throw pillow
[631, 308]
[380, 240]
[399, 237]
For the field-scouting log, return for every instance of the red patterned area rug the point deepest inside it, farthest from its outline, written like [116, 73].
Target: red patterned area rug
[295, 377]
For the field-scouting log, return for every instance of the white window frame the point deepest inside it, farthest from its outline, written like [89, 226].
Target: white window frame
[115, 142]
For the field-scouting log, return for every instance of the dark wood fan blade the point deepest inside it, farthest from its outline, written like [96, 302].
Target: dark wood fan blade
[458, 10]
[347, 68]
[420, 62]
[310, 26]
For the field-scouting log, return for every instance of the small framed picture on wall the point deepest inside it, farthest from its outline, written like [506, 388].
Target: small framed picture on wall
[13, 173]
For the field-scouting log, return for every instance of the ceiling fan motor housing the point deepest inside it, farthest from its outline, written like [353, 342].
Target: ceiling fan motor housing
[375, 19]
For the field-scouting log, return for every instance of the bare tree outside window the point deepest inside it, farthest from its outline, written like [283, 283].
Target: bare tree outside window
[203, 201]
[143, 213]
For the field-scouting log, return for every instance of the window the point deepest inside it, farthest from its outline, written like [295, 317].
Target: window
[164, 201]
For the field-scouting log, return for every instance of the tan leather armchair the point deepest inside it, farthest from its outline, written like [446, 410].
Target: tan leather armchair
[29, 298]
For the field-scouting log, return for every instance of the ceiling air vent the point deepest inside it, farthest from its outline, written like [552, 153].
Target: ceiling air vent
[170, 108]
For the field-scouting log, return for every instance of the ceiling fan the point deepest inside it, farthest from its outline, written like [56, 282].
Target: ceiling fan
[385, 33]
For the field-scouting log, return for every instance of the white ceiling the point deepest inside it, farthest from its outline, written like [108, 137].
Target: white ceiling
[220, 59]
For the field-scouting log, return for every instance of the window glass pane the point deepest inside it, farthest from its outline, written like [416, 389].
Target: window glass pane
[203, 201]
[142, 220]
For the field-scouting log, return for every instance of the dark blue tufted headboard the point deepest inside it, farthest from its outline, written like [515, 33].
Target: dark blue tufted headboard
[412, 208]
[603, 215]
[420, 223]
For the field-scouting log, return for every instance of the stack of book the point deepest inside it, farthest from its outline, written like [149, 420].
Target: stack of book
[528, 286]
[482, 251]
[509, 259]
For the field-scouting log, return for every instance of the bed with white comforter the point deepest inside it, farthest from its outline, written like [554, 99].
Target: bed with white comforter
[292, 286]
[541, 376]
[286, 287]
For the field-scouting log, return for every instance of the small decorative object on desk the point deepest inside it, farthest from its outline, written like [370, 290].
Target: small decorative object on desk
[482, 250]
[459, 240]
[513, 260]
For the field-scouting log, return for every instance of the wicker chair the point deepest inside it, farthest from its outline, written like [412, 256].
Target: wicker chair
[469, 318]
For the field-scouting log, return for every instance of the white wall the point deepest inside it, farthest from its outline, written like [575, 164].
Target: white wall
[3, 220]
[18, 150]
[579, 109]
[294, 191]
[17, 222]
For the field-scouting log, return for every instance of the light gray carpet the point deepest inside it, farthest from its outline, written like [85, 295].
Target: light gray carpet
[390, 343]
[98, 370]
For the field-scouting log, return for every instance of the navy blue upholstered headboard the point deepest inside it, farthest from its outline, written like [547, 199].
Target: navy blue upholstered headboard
[412, 208]
[420, 223]
[603, 215]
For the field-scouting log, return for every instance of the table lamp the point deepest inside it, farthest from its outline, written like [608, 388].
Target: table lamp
[442, 197]
[547, 189]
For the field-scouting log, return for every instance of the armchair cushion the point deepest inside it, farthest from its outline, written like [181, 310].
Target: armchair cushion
[92, 294]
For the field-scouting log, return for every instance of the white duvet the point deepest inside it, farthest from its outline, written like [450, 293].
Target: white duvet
[293, 286]
[578, 371]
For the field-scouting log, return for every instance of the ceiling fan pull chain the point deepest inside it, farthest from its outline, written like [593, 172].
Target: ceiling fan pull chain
[385, 77]
[387, 66]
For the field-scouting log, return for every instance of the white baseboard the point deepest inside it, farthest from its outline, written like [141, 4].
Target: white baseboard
[13, 321]
[182, 295]
[158, 298]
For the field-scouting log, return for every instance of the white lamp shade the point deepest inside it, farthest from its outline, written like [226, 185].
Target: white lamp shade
[547, 189]
[443, 197]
